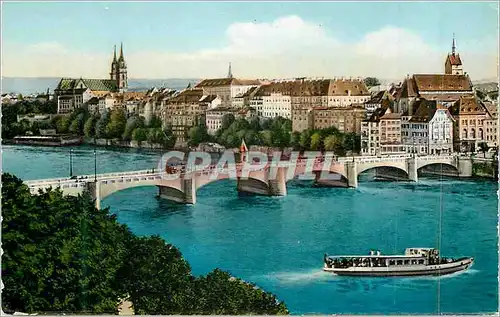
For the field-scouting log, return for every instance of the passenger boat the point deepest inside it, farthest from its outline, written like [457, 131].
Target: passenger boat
[415, 262]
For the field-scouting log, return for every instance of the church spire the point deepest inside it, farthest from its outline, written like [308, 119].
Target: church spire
[114, 55]
[229, 73]
[121, 51]
[453, 45]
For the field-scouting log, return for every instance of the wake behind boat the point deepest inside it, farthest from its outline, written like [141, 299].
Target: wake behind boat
[415, 262]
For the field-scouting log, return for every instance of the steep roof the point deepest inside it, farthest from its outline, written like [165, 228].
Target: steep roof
[187, 96]
[226, 82]
[491, 108]
[92, 84]
[208, 98]
[323, 87]
[408, 88]
[454, 59]
[379, 113]
[442, 82]
[467, 105]
[424, 110]
[379, 97]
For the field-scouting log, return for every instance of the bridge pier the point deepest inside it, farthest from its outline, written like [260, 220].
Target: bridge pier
[464, 166]
[260, 184]
[185, 196]
[277, 187]
[95, 191]
[352, 174]
[412, 168]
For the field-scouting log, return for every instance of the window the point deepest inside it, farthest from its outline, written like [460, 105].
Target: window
[400, 262]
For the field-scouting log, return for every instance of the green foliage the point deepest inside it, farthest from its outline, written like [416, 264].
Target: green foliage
[76, 127]
[198, 135]
[316, 141]
[100, 126]
[155, 122]
[116, 124]
[61, 254]
[222, 294]
[140, 135]
[371, 81]
[157, 277]
[483, 147]
[62, 124]
[89, 126]
[227, 120]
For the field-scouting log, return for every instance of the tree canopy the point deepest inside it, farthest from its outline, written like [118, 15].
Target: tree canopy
[61, 254]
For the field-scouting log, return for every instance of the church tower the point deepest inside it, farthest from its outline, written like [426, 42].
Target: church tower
[229, 72]
[119, 71]
[453, 64]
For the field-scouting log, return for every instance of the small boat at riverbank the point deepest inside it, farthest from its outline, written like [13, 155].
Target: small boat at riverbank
[414, 262]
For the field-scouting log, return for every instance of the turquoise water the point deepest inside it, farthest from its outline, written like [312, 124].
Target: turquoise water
[278, 242]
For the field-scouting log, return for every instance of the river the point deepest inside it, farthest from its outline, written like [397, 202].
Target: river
[278, 242]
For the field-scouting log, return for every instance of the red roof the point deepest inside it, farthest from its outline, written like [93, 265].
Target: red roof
[455, 59]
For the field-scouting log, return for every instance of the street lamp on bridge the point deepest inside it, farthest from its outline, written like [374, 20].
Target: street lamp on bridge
[70, 162]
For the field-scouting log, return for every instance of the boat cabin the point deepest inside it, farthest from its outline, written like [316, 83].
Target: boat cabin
[412, 256]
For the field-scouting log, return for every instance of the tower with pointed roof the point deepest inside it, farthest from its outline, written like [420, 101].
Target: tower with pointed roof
[229, 72]
[453, 64]
[119, 70]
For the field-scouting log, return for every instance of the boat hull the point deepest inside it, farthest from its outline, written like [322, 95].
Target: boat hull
[442, 269]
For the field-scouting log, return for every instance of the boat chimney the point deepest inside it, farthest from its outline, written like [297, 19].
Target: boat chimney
[372, 252]
[378, 252]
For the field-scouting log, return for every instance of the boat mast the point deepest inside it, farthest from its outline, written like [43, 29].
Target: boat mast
[438, 297]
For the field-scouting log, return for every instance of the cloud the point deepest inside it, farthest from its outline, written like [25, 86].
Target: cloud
[286, 47]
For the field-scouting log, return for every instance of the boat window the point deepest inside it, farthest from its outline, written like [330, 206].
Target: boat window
[392, 262]
[400, 262]
[420, 261]
[413, 261]
[407, 262]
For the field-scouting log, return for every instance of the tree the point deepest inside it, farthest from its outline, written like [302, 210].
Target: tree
[295, 140]
[255, 124]
[76, 127]
[316, 141]
[155, 122]
[89, 127]
[132, 124]
[267, 137]
[60, 252]
[483, 147]
[371, 81]
[352, 142]
[157, 277]
[198, 135]
[100, 127]
[334, 143]
[140, 135]
[305, 139]
[221, 294]
[62, 125]
[227, 120]
[116, 124]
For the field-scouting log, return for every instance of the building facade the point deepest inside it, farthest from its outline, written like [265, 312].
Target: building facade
[471, 124]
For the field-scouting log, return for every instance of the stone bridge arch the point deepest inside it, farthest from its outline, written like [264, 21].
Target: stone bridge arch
[365, 166]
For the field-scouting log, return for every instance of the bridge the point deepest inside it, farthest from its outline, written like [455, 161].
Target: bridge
[264, 179]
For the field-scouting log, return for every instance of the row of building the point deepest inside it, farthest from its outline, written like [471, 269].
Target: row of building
[431, 114]
[425, 113]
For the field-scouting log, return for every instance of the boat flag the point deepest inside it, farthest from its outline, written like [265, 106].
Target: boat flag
[243, 146]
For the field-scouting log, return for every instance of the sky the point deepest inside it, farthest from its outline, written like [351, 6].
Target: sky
[259, 39]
